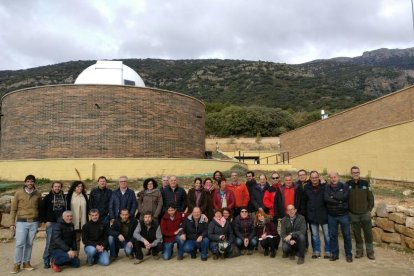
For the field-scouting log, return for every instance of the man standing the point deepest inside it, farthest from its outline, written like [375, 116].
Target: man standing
[121, 235]
[148, 235]
[241, 193]
[94, 237]
[63, 245]
[164, 183]
[293, 231]
[258, 194]
[99, 199]
[25, 212]
[290, 194]
[361, 202]
[250, 184]
[336, 198]
[175, 194]
[122, 198]
[52, 207]
[302, 177]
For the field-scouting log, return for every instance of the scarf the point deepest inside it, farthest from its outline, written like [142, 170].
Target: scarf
[221, 222]
[198, 197]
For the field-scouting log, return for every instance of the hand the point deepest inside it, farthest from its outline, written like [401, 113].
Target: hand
[99, 248]
[222, 237]
[264, 236]
[182, 237]
[111, 221]
[246, 242]
[121, 238]
[146, 243]
[178, 231]
[47, 224]
[71, 254]
[199, 239]
[148, 246]
[292, 242]
[288, 238]
[130, 245]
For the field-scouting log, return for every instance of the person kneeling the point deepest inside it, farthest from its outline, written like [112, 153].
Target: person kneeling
[220, 235]
[194, 235]
[63, 247]
[266, 232]
[293, 231]
[147, 235]
[245, 232]
[94, 236]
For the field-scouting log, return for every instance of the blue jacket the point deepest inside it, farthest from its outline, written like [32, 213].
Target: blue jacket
[119, 201]
[316, 212]
[178, 196]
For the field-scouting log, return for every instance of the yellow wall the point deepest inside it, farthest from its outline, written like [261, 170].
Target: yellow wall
[386, 153]
[65, 169]
[270, 167]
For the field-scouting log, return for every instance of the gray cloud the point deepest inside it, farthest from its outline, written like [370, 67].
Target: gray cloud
[43, 32]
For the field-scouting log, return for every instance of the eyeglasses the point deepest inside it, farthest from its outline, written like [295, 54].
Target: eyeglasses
[243, 211]
[275, 177]
[302, 174]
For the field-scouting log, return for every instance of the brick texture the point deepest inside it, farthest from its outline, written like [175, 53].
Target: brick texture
[386, 111]
[102, 121]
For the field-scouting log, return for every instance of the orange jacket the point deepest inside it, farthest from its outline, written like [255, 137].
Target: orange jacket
[241, 194]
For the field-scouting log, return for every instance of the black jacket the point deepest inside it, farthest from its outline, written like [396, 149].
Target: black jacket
[193, 231]
[115, 229]
[95, 233]
[244, 228]
[280, 211]
[256, 197]
[99, 199]
[250, 185]
[178, 196]
[336, 199]
[215, 231]
[63, 237]
[191, 200]
[316, 212]
[52, 207]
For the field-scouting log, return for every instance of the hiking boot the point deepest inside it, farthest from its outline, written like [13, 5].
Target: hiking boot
[327, 256]
[370, 256]
[301, 260]
[266, 252]
[349, 259]
[333, 258]
[358, 255]
[16, 269]
[138, 261]
[28, 266]
[55, 267]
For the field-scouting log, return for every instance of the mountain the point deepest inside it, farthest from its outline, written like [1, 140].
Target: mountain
[332, 84]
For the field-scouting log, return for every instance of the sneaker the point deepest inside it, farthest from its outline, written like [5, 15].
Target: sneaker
[204, 259]
[327, 256]
[349, 259]
[28, 266]
[55, 267]
[301, 260]
[138, 261]
[333, 258]
[249, 252]
[16, 269]
[370, 256]
[316, 255]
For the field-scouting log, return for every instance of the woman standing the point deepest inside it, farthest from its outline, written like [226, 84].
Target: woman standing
[209, 189]
[77, 202]
[197, 197]
[150, 199]
[224, 197]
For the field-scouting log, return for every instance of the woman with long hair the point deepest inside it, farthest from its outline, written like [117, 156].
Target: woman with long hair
[266, 233]
[197, 197]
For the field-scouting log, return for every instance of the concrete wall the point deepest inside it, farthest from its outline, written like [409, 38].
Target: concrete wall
[65, 169]
[105, 121]
[385, 153]
[386, 111]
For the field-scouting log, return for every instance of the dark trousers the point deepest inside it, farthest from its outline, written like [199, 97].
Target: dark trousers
[61, 257]
[362, 222]
[298, 247]
[270, 243]
[154, 250]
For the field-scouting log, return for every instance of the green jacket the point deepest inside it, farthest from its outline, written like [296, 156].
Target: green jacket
[361, 198]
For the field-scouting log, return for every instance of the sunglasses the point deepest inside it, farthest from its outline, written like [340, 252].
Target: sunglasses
[275, 177]
[243, 211]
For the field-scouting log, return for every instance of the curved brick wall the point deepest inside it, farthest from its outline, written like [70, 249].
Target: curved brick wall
[83, 121]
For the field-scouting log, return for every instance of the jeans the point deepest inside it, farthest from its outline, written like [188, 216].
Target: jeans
[362, 222]
[93, 256]
[115, 245]
[343, 221]
[316, 242]
[251, 246]
[154, 250]
[61, 257]
[25, 234]
[191, 246]
[299, 246]
[168, 248]
[46, 254]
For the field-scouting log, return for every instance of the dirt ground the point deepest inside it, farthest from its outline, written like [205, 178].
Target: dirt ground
[388, 262]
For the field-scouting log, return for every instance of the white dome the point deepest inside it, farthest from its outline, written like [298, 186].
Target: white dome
[109, 72]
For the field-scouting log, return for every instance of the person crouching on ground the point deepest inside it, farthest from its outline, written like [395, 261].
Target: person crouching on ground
[245, 232]
[170, 229]
[220, 235]
[293, 231]
[266, 232]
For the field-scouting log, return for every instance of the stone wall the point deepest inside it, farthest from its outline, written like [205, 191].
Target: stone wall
[393, 225]
[101, 121]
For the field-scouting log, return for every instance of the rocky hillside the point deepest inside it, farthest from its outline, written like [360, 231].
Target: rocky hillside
[333, 84]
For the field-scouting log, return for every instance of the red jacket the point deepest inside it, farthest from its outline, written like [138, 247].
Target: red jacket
[168, 226]
[229, 198]
[241, 194]
[269, 198]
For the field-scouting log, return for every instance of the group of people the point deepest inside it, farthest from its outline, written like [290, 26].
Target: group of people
[229, 217]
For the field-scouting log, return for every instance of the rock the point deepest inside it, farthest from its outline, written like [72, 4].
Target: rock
[407, 192]
[409, 242]
[399, 228]
[396, 246]
[409, 222]
[391, 237]
[391, 208]
[373, 222]
[5, 203]
[401, 209]
[382, 210]
[6, 234]
[385, 224]
[404, 230]
[402, 237]
[377, 234]
[6, 220]
[410, 212]
[397, 217]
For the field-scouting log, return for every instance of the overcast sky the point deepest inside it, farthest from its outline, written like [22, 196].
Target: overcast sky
[42, 32]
